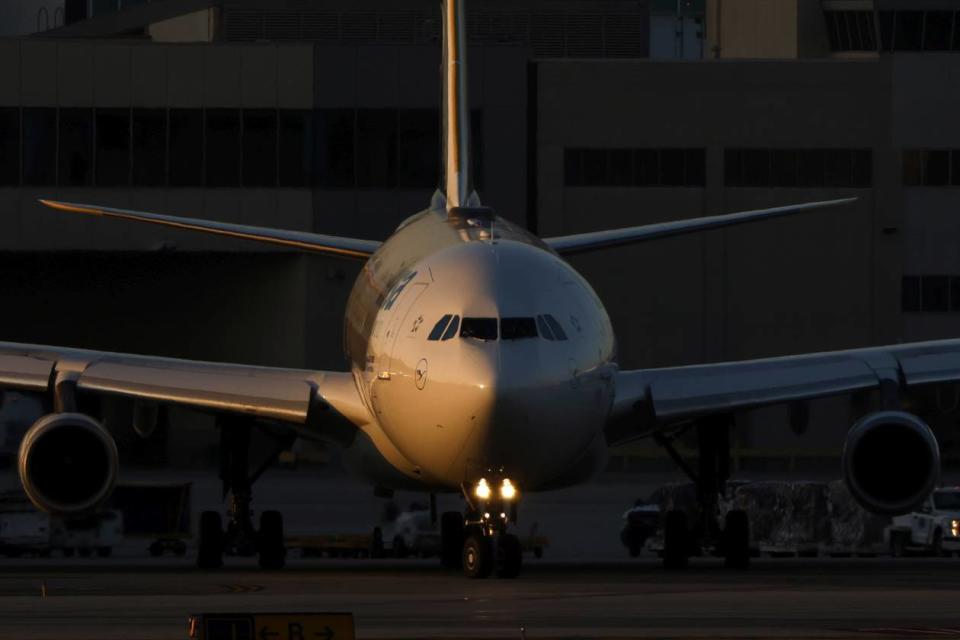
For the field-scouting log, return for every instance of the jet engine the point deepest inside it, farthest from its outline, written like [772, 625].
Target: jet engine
[67, 463]
[891, 462]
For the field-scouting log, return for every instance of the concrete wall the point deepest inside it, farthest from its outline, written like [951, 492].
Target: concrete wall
[753, 28]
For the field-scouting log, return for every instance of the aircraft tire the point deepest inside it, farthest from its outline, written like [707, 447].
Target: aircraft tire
[676, 540]
[736, 540]
[477, 556]
[210, 547]
[451, 539]
[272, 552]
[509, 556]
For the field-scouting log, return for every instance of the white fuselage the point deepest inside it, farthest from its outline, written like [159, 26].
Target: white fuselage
[448, 411]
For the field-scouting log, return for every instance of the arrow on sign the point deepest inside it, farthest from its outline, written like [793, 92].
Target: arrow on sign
[266, 634]
[326, 635]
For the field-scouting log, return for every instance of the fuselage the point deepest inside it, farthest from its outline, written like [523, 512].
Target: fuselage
[476, 348]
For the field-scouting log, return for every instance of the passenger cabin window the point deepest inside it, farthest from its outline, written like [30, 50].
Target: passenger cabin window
[479, 328]
[517, 328]
[451, 331]
[439, 327]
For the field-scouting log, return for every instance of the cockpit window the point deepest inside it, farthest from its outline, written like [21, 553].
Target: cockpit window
[479, 328]
[558, 331]
[452, 329]
[517, 328]
[439, 327]
[545, 330]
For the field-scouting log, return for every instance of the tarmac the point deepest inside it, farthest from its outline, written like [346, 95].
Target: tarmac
[862, 598]
[584, 587]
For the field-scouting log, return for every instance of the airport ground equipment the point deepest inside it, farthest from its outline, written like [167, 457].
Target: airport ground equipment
[270, 626]
[94, 533]
[24, 531]
[159, 513]
[414, 533]
[933, 529]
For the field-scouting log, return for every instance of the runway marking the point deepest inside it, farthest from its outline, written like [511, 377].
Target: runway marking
[242, 588]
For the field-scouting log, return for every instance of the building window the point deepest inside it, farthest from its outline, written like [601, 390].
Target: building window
[113, 147]
[149, 147]
[852, 168]
[930, 293]
[260, 148]
[851, 30]
[919, 30]
[186, 148]
[931, 167]
[9, 146]
[296, 148]
[75, 165]
[223, 150]
[418, 148]
[634, 167]
[39, 146]
[335, 148]
[376, 148]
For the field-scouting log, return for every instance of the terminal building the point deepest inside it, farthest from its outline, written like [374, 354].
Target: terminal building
[588, 115]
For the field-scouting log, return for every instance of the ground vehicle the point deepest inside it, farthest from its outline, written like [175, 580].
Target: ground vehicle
[933, 529]
[24, 531]
[98, 532]
[414, 533]
[639, 523]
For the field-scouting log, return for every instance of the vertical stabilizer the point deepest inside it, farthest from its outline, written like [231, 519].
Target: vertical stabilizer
[457, 182]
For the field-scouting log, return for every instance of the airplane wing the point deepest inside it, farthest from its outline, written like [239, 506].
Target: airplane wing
[583, 242]
[334, 245]
[651, 399]
[298, 398]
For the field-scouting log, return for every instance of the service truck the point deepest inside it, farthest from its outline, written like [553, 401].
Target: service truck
[934, 529]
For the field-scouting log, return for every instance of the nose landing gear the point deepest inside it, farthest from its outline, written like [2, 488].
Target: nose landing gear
[479, 541]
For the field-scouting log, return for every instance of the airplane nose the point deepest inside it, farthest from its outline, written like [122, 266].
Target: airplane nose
[522, 420]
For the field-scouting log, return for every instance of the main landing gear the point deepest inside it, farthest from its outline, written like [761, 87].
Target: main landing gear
[478, 541]
[240, 538]
[685, 536]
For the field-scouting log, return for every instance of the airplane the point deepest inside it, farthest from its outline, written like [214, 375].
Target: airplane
[480, 364]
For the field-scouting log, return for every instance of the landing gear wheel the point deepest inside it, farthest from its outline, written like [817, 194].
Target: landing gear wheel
[509, 556]
[271, 548]
[736, 540]
[451, 540]
[676, 540]
[210, 548]
[477, 556]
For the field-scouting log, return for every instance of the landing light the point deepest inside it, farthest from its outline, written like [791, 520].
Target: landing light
[955, 528]
[483, 489]
[507, 490]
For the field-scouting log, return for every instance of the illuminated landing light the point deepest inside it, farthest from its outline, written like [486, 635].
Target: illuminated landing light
[507, 490]
[955, 528]
[483, 489]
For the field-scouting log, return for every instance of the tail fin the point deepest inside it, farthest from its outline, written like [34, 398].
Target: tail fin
[457, 181]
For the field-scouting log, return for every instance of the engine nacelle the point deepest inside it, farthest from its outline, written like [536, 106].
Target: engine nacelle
[67, 463]
[891, 462]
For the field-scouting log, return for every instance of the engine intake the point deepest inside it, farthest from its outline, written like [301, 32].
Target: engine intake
[891, 462]
[67, 463]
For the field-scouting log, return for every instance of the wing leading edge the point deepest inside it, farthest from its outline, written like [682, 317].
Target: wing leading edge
[299, 398]
[650, 399]
[582, 242]
[334, 245]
